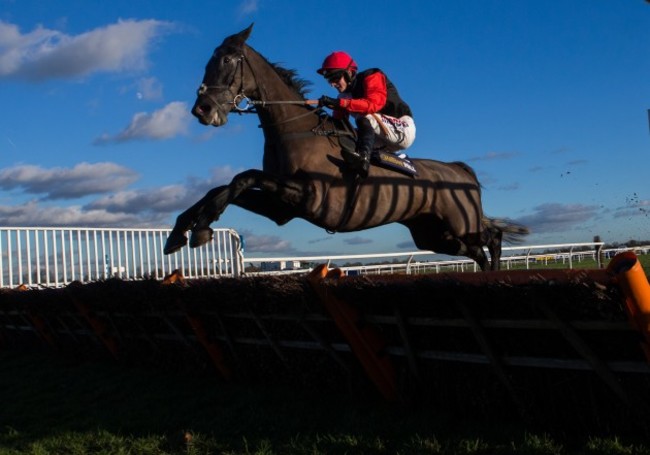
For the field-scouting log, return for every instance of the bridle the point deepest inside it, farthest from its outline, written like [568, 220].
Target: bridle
[204, 89]
[242, 103]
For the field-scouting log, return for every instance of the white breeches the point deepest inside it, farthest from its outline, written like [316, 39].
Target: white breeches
[393, 133]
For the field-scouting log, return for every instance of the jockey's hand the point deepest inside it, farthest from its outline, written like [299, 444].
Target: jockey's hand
[328, 101]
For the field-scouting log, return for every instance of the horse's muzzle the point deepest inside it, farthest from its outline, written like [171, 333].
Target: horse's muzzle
[208, 114]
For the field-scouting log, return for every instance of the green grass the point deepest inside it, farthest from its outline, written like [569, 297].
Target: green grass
[644, 260]
[588, 263]
[50, 404]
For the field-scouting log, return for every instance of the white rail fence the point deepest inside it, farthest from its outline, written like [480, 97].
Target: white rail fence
[427, 262]
[55, 257]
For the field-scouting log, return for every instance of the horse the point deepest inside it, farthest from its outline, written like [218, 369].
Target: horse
[304, 176]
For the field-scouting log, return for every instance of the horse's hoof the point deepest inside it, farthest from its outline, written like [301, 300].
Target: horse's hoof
[174, 242]
[200, 236]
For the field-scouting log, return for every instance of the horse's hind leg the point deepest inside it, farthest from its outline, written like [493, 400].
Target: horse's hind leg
[494, 244]
[428, 235]
[458, 247]
[476, 252]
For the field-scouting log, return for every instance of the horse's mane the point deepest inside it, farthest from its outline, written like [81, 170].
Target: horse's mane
[290, 77]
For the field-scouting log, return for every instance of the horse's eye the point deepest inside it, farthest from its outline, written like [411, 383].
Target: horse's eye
[226, 60]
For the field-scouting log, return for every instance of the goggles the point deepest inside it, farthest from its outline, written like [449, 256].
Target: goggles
[334, 76]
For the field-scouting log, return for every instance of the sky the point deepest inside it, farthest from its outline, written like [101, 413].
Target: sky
[547, 100]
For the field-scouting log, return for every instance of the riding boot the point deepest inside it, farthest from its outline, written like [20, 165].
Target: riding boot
[359, 159]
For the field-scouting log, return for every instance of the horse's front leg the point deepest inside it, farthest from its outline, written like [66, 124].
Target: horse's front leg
[186, 220]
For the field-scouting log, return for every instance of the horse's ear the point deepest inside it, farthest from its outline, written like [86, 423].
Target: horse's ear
[240, 38]
[244, 34]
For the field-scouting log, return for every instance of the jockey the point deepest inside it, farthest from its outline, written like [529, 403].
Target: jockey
[381, 115]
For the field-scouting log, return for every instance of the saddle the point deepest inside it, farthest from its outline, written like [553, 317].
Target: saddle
[389, 160]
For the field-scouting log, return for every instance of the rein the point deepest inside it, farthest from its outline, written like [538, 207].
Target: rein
[250, 104]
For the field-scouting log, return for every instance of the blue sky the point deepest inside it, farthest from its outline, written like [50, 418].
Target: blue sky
[547, 100]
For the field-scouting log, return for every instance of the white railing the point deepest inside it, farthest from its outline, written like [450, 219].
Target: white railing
[416, 262]
[55, 257]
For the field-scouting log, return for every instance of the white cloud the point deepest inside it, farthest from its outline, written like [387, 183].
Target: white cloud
[357, 241]
[44, 54]
[164, 199]
[494, 156]
[556, 217]
[170, 121]
[150, 89]
[265, 243]
[149, 207]
[248, 7]
[34, 214]
[67, 183]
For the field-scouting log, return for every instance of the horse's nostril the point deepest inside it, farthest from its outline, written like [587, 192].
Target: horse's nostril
[202, 109]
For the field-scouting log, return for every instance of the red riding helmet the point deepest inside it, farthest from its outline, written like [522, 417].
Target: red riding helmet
[338, 61]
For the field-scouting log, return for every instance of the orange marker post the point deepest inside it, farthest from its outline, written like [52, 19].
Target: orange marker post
[365, 342]
[213, 349]
[634, 284]
[98, 326]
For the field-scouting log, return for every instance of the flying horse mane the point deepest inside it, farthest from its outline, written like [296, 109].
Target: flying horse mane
[289, 77]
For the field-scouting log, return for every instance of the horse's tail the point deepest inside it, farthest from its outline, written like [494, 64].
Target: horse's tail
[512, 232]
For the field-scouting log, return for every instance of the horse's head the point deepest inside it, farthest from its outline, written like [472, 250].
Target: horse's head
[223, 83]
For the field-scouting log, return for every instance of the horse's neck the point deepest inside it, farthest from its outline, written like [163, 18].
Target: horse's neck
[277, 119]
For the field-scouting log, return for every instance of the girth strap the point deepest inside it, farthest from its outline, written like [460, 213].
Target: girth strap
[350, 203]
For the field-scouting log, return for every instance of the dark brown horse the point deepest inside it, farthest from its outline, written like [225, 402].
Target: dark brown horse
[305, 177]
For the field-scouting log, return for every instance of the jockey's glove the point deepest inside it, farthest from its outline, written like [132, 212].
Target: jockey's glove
[328, 101]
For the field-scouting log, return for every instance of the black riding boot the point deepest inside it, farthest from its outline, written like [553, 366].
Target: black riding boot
[360, 158]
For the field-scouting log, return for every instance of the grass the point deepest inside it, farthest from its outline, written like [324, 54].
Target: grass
[586, 263]
[644, 260]
[50, 404]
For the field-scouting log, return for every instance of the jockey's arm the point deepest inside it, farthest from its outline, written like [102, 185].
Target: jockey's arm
[373, 100]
